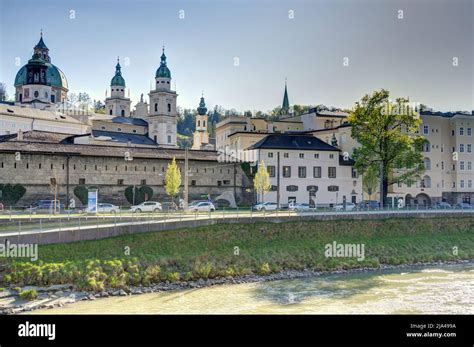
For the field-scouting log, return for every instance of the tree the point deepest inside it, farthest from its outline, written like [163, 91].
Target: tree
[261, 181]
[81, 192]
[137, 195]
[172, 180]
[3, 92]
[370, 180]
[385, 131]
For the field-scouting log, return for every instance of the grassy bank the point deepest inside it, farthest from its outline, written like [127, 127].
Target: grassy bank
[233, 249]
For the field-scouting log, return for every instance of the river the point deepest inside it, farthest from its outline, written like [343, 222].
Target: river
[447, 289]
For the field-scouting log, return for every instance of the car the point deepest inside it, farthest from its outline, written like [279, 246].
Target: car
[107, 208]
[146, 206]
[45, 205]
[368, 205]
[349, 207]
[299, 207]
[265, 206]
[465, 206]
[442, 205]
[202, 206]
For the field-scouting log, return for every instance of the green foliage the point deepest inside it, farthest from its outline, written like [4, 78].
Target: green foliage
[386, 132]
[206, 252]
[142, 193]
[370, 180]
[172, 179]
[11, 193]
[261, 181]
[29, 294]
[81, 192]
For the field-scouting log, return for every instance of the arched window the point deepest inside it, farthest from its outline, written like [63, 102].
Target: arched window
[123, 113]
[425, 182]
[426, 146]
[110, 111]
[169, 107]
[427, 163]
[204, 123]
[156, 107]
[199, 123]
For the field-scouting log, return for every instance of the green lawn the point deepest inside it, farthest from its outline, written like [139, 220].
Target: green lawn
[262, 248]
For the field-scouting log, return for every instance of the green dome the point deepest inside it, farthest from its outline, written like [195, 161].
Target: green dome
[54, 76]
[118, 80]
[163, 71]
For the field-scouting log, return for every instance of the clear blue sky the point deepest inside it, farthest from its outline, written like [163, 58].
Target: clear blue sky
[410, 57]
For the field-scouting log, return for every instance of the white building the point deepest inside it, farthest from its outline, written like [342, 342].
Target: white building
[303, 167]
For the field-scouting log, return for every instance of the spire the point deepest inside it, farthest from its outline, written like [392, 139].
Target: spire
[163, 71]
[202, 106]
[118, 68]
[41, 44]
[286, 104]
[163, 56]
[118, 80]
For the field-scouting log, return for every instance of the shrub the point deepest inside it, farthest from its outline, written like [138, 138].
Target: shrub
[81, 193]
[143, 193]
[151, 274]
[202, 270]
[11, 193]
[173, 276]
[265, 269]
[29, 294]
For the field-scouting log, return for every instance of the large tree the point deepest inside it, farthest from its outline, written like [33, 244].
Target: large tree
[386, 133]
[261, 181]
[172, 180]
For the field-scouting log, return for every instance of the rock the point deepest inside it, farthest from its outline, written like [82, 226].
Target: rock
[59, 293]
[122, 292]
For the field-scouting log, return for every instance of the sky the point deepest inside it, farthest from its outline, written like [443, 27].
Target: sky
[410, 53]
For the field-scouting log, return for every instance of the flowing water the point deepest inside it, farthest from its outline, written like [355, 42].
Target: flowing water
[442, 289]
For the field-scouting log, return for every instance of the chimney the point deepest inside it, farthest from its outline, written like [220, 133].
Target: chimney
[19, 136]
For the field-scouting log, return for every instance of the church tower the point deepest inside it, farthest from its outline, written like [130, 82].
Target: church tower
[162, 123]
[117, 104]
[201, 135]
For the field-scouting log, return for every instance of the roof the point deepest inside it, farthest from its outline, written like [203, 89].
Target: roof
[54, 76]
[445, 114]
[105, 151]
[35, 113]
[114, 136]
[36, 136]
[299, 142]
[129, 120]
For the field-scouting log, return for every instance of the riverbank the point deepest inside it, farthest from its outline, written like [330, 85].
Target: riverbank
[192, 258]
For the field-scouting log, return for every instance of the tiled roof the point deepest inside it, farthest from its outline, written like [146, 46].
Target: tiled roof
[129, 120]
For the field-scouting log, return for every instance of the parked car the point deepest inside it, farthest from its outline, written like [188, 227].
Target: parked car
[45, 205]
[147, 206]
[202, 206]
[349, 207]
[465, 206]
[299, 207]
[265, 206]
[442, 205]
[107, 208]
[368, 205]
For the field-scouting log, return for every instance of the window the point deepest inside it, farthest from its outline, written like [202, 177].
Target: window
[332, 172]
[122, 113]
[469, 183]
[461, 184]
[143, 182]
[426, 146]
[169, 138]
[286, 171]
[110, 112]
[169, 107]
[333, 188]
[219, 183]
[317, 171]
[469, 131]
[285, 155]
[120, 182]
[461, 148]
[82, 181]
[226, 182]
[292, 188]
[461, 165]
[302, 171]
[442, 165]
[193, 182]
[270, 154]
[469, 165]
[354, 173]
[461, 131]
[156, 107]
[426, 130]
[271, 170]
[273, 188]
[469, 148]
[316, 156]
[331, 156]
[301, 155]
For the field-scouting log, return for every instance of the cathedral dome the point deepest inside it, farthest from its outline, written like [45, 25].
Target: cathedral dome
[54, 76]
[163, 71]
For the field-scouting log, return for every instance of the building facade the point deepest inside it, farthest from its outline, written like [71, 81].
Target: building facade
[117, 104]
